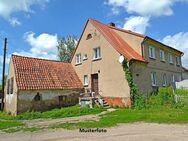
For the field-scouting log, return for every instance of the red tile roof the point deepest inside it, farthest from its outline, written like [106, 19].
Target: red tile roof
[116, 41]
[34, 73]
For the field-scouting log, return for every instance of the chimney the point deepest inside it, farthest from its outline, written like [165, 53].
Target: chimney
[112, 24]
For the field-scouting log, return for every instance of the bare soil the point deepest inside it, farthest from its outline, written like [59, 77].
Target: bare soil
[123, 132]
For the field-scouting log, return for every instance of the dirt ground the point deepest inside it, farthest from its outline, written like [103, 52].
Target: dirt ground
[123, 132]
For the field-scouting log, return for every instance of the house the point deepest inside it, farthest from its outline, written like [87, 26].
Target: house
[40, 84]
[185, 73]
[98, 57]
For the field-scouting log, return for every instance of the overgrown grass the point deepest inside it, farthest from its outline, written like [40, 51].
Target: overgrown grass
[158, 115]
[181, 91]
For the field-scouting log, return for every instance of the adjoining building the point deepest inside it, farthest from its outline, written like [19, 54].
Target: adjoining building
[40, 84]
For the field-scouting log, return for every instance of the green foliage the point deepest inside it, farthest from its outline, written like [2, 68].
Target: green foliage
[181, 91]
[133, 88]
[60, 113]
[66, 47]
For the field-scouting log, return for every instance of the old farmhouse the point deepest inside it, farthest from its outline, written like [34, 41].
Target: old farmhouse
[96, 66]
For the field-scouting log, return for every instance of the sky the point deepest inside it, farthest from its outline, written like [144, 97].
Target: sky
[33, 26]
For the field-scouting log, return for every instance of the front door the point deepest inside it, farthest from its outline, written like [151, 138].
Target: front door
[94, 83]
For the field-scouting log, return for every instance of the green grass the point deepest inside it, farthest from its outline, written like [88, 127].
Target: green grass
[181, 91]
[159, 115]
[4, 124]
[60, 113]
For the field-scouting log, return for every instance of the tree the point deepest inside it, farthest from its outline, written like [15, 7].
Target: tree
[66, 47]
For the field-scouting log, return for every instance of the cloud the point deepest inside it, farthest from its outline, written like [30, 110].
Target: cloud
[9, 7]
[180, 42]
[144, 10]
[145, 7]
[42, 46]
[137, 24]
[14, 22]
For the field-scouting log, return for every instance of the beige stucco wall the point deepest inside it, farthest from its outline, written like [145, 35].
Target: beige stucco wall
[112, 82]
[50, 99]
[133, 40]
[142, 72]
[11, 99]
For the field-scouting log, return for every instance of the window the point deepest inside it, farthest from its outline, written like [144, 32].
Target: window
[89, 36]
[38, 97]
[11, 85]
[8, 86]
[152, 52]
[85, 57]
[172, 78]
[170, 59]
[164, 80]
[85, 80]
[78, 58]
[178, 60]
[153, 79]
[96, 53]
[162, 55]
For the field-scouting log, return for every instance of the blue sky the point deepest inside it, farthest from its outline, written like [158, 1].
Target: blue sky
[32, 26]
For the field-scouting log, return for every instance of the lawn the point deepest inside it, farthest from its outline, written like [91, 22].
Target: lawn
[122, 115]
[55, 113]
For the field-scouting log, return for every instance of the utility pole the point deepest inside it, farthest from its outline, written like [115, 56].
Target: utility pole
[3, 74]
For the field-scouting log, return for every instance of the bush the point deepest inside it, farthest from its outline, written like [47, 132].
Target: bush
[181, 91]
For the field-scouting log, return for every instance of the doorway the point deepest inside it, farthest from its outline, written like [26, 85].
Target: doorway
[95, 84]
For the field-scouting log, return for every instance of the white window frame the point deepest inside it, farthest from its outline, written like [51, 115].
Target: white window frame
[170, 58]
[162, 55]
[178, 62]
[164, 80]
[78, 58]
[96, 53]
[172, 78]
[152, 52]
[153, 79]
[86, 80]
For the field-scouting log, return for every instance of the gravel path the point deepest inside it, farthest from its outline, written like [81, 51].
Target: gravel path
[123, 132]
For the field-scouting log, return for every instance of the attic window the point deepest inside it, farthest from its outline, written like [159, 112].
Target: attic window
[89, 36]
[38, 97]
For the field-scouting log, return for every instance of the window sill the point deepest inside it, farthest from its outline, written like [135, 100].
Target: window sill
[85, 85]
[171, 63]
[163, 61]
[152, 58]
[78, 64]
[96, 59]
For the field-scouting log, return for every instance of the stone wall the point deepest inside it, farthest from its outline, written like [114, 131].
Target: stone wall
[48, 99]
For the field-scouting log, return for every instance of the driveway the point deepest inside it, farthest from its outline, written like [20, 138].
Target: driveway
[123, 132]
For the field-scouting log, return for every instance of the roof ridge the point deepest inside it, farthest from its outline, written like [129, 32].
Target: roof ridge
[43, 59]
[121, 29]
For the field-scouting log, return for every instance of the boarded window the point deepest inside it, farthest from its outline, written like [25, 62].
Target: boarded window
[38, 97]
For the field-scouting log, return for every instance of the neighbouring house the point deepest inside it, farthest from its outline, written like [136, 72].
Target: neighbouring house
[39, 84]
[185, 73]
[98, 56]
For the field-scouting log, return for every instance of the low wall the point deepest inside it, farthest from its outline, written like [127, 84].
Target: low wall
[118, 101]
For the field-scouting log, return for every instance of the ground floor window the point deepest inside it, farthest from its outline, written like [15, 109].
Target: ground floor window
[164, 80]
[85, 80]
[153, 79]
